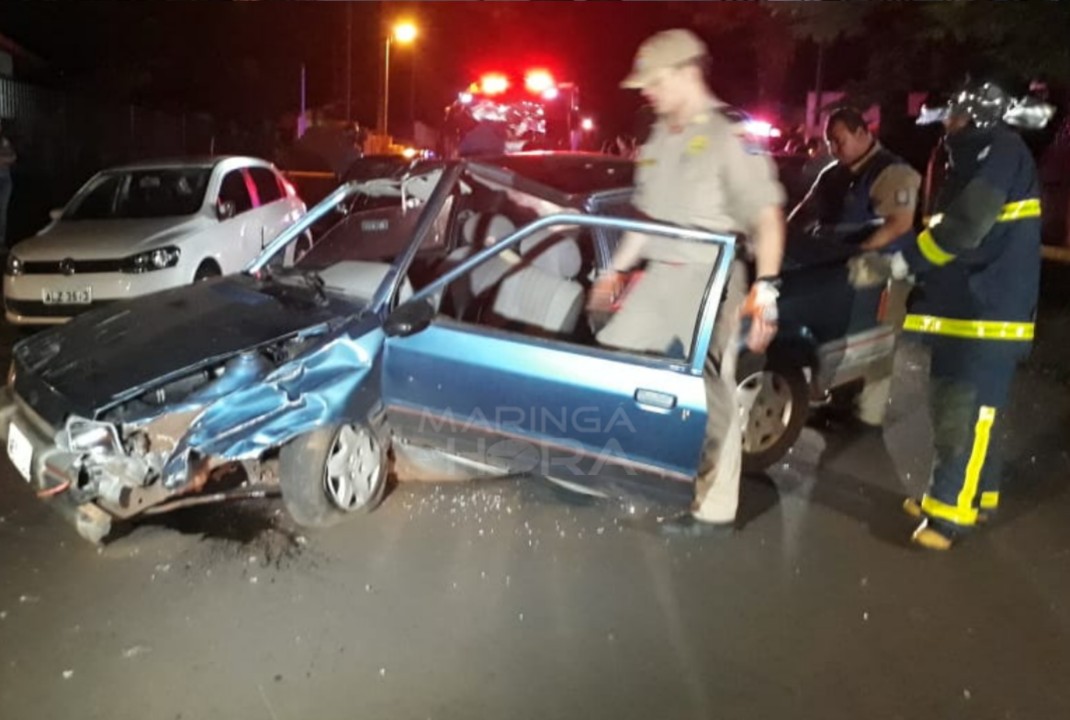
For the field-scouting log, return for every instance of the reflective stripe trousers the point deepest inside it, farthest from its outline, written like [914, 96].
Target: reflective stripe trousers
[969, 386]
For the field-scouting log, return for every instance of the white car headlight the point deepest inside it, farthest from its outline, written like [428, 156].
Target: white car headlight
[158, 259]
[14, 265]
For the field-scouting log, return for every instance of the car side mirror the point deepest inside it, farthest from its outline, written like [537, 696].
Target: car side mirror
[55, 214]
[225, 210]
[409, 319]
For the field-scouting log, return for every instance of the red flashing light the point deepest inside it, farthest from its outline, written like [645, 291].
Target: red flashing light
[494, 84]
[761, 128]
[538, 81]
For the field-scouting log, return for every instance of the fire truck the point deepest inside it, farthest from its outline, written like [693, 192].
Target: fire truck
[532, 112]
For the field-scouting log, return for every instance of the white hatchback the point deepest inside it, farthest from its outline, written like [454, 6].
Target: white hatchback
[142, 228]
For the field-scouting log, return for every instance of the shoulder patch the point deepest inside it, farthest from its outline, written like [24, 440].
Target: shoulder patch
[697, 144]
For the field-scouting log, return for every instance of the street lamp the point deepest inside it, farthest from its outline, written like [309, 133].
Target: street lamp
[404, 33]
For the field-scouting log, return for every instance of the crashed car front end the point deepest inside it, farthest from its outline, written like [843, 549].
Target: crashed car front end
[143, 407]
[161, 448]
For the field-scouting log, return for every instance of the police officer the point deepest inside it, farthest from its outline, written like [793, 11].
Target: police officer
[864, 201]
[694, 170]
[978, 265]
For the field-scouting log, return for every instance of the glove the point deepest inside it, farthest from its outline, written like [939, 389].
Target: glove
[761, 306]
[900, 268]
[869, 270]
[761, 302]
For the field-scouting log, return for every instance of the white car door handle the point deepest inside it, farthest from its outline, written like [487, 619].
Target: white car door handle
[655, 400]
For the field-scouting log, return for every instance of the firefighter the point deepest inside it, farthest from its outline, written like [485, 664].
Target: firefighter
[977, 263]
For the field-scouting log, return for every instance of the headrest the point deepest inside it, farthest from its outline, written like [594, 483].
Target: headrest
[479, 227]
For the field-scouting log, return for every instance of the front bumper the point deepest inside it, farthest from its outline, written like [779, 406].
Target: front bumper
[49, 468]
[24, 294]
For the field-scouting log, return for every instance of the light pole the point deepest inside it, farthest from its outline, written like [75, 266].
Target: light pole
[404, 33]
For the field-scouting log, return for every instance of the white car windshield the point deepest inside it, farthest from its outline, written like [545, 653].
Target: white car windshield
[144, 193]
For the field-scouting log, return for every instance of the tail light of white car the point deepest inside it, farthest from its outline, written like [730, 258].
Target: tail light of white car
[158, 259]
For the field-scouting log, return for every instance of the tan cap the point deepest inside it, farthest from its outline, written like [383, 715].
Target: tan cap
[664, 50]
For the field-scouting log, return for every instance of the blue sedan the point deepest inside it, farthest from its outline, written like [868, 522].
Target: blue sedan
[437, 326]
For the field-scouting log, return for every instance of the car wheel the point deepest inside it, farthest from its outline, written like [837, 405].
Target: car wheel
[332, 472]
[778, 413]
[205, 271]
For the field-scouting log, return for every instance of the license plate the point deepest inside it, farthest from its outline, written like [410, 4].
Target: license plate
[19, 450]
[81, 296]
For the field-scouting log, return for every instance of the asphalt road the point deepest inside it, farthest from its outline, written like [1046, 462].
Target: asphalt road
[506, 600]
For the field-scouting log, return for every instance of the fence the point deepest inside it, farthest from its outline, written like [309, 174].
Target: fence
[62, 139]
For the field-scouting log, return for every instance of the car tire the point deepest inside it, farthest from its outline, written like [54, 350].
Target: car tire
[331, 473]
[205, 271]
[779, 411]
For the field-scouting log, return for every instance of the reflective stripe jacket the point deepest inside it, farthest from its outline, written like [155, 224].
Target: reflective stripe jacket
[978, 259]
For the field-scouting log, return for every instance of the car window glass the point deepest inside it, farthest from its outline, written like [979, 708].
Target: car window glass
[233, 190]
[540, 288]
[267, 186]
[373, 227]
[99, 202]
[142, 193]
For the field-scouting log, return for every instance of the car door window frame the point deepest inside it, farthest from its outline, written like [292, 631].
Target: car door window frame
[694, 362]
[267, 172]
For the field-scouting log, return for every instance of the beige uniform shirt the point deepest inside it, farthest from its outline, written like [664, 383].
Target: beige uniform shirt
[896, 187]
[702, 175]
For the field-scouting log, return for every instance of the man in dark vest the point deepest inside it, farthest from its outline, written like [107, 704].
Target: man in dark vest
[865, 201]
[867, 198]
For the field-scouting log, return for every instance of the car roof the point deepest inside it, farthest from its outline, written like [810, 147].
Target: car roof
[574, 174]
[203, 161]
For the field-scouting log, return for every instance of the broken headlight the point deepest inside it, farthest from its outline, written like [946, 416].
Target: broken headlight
[88, 436]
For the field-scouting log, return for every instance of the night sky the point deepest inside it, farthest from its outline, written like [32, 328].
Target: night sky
[243, 59]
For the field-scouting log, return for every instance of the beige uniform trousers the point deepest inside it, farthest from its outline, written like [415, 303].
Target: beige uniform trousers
[721, 464]
[660, 315]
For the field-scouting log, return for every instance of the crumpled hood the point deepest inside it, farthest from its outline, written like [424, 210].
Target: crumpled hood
[107, 239]
[117, 352]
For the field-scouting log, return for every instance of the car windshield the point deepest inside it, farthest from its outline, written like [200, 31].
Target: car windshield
[143, 193]
[353, 245]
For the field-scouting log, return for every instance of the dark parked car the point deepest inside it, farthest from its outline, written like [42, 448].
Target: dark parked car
[438, 326]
